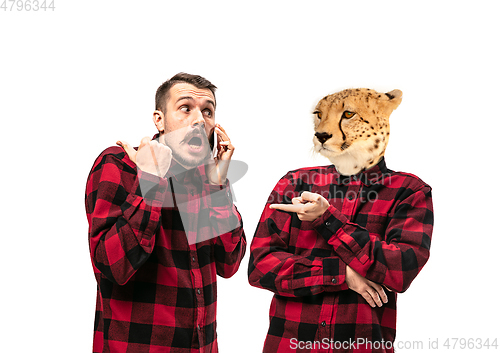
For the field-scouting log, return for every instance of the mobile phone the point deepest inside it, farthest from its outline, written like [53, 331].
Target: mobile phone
[213, 144]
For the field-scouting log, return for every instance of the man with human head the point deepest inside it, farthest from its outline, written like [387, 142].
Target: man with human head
[185, 119]
[162, 225]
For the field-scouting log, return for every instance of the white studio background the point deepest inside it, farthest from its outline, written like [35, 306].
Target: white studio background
[76, 79]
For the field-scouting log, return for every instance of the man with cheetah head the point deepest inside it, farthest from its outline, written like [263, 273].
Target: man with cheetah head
[336, 243]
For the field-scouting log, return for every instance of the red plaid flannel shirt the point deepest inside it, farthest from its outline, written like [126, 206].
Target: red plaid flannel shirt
[157, 293]
[378, 222]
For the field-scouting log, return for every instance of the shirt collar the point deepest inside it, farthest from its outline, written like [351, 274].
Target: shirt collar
[374, 175]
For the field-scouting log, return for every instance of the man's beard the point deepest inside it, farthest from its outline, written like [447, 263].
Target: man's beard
[177, 141]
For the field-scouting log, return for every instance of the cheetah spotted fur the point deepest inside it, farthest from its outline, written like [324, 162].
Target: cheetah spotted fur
[352, 127]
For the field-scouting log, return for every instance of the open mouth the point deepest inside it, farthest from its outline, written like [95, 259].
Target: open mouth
[195, 142]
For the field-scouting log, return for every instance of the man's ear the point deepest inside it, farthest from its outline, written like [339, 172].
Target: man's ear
[159, 120]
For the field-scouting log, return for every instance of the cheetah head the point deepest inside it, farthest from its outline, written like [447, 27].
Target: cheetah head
[352, 127]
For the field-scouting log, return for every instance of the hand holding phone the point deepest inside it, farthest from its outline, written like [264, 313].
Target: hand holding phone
[222, 152]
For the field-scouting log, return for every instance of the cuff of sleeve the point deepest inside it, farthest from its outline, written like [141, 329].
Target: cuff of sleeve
[219, 195]
[346, 238]
[329, 223]
[334, 274]
[152, 188]
[135, 216]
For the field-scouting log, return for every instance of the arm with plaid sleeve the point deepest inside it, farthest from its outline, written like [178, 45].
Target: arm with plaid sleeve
[395, 260]
[227, 226]
[122, 224]
[275, 266]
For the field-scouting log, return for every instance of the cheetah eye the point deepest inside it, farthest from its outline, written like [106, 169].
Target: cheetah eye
[318, 114]
[348, 115]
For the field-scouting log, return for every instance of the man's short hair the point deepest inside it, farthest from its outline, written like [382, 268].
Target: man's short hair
[162, 93]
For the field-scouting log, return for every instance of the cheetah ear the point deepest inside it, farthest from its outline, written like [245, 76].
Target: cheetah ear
[395, 97]
[394, 94]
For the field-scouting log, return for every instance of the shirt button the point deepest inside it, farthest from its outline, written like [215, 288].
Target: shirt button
[191, 192]
[350, 197]
[327, 224]
[199, 291]
[193, 259]
[334, 280]
[323, 324]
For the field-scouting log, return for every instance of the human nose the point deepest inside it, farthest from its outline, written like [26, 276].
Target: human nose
[198, 117]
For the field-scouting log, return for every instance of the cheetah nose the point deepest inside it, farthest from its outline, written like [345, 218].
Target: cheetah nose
[323, 136]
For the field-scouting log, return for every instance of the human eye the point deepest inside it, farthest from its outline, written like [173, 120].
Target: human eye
[184, 108]
[208, 113]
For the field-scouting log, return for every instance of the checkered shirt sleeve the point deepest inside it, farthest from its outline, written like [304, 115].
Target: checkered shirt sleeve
[288, 265]
[122, 224]
[396, 259]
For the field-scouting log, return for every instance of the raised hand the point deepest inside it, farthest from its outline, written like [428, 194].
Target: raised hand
[151, 157]
[217, 168]
[308, 206]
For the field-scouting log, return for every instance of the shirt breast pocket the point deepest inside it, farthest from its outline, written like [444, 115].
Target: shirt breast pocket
[376, 224]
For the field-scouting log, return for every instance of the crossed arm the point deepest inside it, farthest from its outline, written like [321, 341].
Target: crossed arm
[309, 207]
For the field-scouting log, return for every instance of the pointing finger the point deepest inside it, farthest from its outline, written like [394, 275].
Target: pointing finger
[286, 207]
[144, 141]
[125, 145]
[128, 149]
